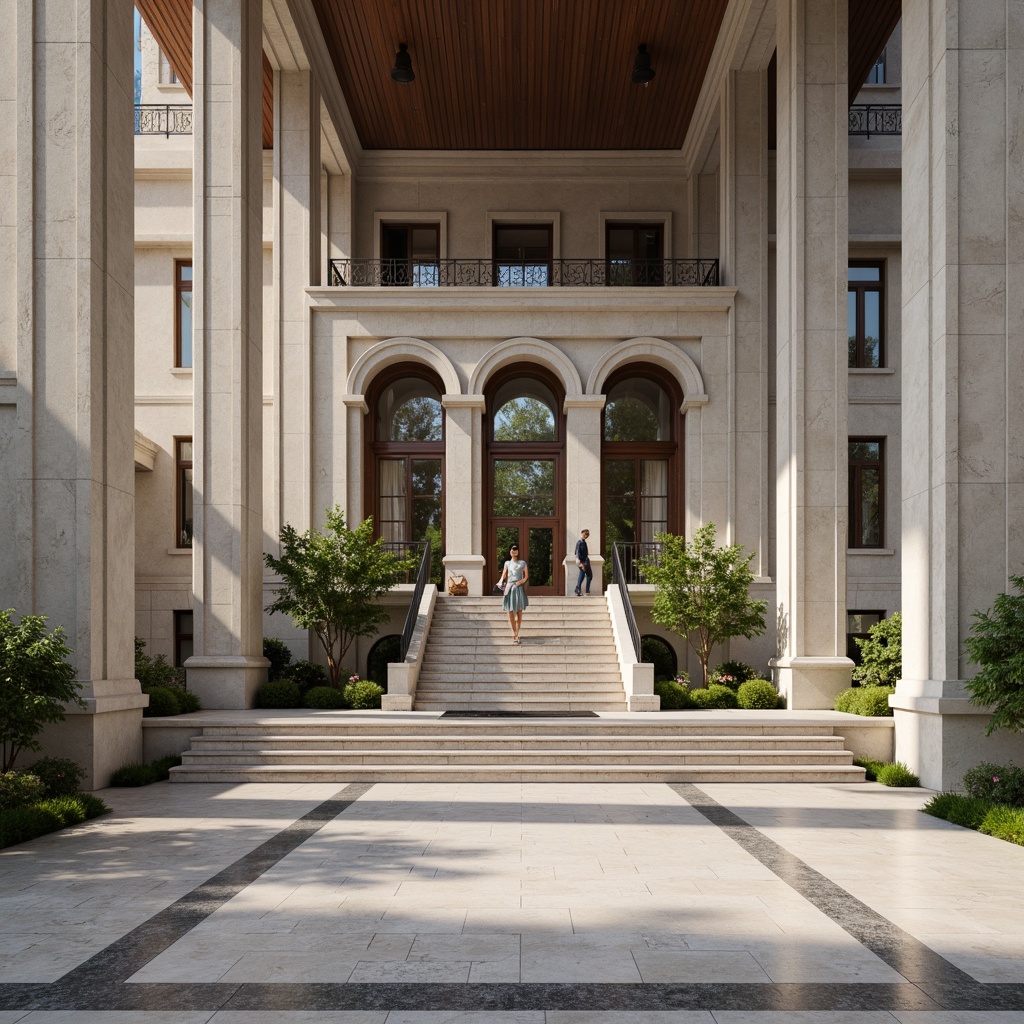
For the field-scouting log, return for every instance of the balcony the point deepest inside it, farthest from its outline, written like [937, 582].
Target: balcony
[486, 273]
[869, 119]
[165, 119]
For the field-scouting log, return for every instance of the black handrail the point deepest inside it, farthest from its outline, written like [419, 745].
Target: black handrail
[417, 595]
[619, 579]
[485, 273]
[869, 119]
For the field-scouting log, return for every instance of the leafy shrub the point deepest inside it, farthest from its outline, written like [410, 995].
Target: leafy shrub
[163, 701]
[881, 654]
[19, 788]
[60, 775]
[144, 774]
[188, 702]
[279, 655]
[714, 697]
[323, 698]
[674, 696]
[281, 693]
[362, 695]
[153, 671]
[1000, 783]
[28, 822]
[659, 653]
[871, 701]
[739, 670]
[1005, 823]
[305, 674]
[757, 695]
[896, 774]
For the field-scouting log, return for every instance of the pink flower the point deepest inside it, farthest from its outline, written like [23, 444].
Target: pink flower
[995, 778]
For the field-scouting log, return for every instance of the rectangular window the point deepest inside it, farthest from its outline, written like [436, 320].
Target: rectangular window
[634, 254]
[183, 491]
[410, 255]
[867, 483]
[522, 255]
[865, 314]
[183, 313]
[876, 76]
[167, 75]
[182, 637]
[857, 626]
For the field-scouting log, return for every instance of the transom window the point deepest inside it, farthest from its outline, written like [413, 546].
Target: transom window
[637, 410]
[865, 314]
[410, 410]
[522, 255]
[525, 411]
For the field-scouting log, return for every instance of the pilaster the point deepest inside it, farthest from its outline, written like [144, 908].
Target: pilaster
[583, 486]
[463, 507]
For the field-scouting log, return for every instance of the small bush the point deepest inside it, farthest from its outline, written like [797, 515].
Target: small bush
[20, 788]
[674, 696]
[152, 671]
[281, 693]
[881, 654]
[715, 697]
[163, 701]
[870, 701]
[306, 674]
[144, 774]
[28, 822]
[870, 766]
[1004, 822]
[60, 775]
[323, 698]
[279, 655]
[1000, 783]
[739, 670]
[362, 695]
[188, 702]
[896, 774]
[757, 695]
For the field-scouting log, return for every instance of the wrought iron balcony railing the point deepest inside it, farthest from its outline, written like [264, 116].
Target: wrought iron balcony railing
[567, 273]
[163, 119]
[869, 119]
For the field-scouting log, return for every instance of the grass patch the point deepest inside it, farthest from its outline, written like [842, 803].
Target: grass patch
[19, 824]
[997, 820]
[144, 774]
[888, 773]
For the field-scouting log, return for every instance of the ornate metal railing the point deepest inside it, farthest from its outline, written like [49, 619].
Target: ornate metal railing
[632, 554]
[422, 575]
[163, 119]
[869, 119]
[567, 273]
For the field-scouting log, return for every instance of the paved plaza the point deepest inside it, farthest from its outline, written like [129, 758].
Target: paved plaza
[513, 904]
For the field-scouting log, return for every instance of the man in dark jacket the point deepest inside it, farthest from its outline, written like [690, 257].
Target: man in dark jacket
[583, 563]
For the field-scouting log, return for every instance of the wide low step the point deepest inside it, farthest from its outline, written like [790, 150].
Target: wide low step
[530, 678]
[692, 724]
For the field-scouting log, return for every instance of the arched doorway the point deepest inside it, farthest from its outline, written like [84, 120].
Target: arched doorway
[525, 475]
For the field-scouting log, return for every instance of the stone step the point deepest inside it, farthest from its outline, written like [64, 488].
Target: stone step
[521, 674]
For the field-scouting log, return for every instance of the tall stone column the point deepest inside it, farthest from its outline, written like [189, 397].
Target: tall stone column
[583, 486]
[227, 574]
[67, 357]
[963, 375]
[811, 371]
[463, 488]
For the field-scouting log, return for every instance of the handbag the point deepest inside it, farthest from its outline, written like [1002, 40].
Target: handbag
[458, 586]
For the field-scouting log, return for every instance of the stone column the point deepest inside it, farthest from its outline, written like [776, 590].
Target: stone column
[227, 574]
[67, 358]
[744, 263]
[583, 487]
[811, 372]
[463, 487]
[963, 379]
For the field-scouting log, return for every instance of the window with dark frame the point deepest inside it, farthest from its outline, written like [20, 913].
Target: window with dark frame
[858, 625]
[183, 313]
[183, 492]
[182, 637]
[876, 76]
[634, 254]
[410, 255]
[867, 492]
[865, 313]
[522, 255]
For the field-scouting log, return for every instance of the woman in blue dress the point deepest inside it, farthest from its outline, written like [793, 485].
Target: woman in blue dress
[514, 577]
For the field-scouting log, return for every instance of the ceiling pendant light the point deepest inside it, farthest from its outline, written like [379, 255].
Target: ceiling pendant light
[402, 71]
[642, 70]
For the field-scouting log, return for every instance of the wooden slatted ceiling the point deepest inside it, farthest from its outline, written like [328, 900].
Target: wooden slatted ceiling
[521, 74]
[871, 24]
[170, 21]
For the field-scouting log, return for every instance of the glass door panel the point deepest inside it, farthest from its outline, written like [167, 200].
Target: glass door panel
[541, 563]
[524, 487]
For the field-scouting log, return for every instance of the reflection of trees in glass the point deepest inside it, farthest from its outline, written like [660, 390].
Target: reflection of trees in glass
[507, 536]
[630, 419]
[539, 557]
[426, 511]
[417, 419]
[524, 419]
[524, 487]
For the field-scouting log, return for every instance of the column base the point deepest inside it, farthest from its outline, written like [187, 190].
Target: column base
[470, 566]
[572, 574]
[396, 702]
[811, 684]
[226, 683]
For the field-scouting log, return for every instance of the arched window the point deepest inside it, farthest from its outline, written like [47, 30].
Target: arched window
[524, 410]
[641, 461]
[407, 463]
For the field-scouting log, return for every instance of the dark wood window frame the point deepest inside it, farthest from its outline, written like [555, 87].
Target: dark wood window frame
[642, 274]
[856, 484]
[180, 285]
[859, 289]
[852, 650]
[180, 635]
[497, 226]
[390, 264]
[180, 465]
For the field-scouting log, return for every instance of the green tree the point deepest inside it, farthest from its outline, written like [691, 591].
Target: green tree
[36, 682]
[703, 592]
[881, 653]
[331, 582]
[998, 647]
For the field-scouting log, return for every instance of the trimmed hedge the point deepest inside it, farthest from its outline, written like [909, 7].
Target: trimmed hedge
[323, 698]
[20, 824]
[999, 783]
[165, 701]
[307, 674]
[144, 774]
[714, 697]
[757, 695]
[363, 695]
[870, 701]
[674, 696]
[60, 775]
[281, 693]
